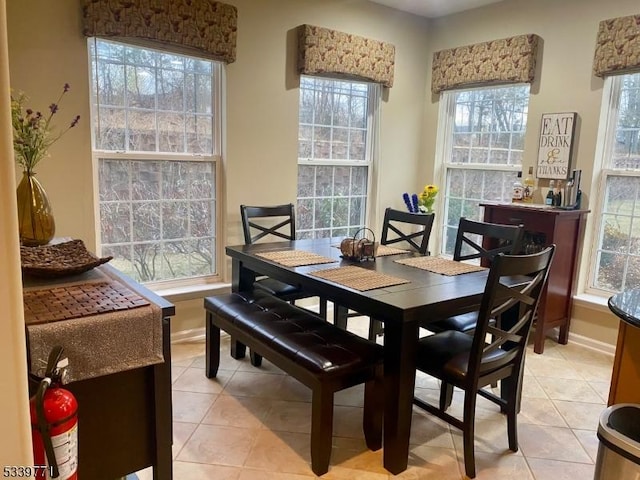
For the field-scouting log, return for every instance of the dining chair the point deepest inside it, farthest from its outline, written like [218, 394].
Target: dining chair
[478, 240]
[277, 221]
[398, 229]
[470, 362]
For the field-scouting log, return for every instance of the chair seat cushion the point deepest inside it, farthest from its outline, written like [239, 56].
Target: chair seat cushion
[446, 355]
[276, 287]
[461, 323]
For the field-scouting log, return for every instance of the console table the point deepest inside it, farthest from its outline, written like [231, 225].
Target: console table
[543, 226]
[125, 417]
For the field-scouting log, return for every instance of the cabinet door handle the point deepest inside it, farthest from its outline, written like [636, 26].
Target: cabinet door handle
[515, 220]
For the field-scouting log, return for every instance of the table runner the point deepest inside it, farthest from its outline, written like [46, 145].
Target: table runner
[384, 250]
[443, 266]
[295, 258]
[358, 278]
[96, 344]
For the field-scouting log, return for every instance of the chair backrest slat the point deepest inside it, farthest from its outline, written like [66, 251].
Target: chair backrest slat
[254, 228]
[397, 222]
[469, 240]
[512, 293]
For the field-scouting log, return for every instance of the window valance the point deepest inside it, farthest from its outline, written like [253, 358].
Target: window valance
[203, 28]
[322, 51]
[617, 46]
[508, 60]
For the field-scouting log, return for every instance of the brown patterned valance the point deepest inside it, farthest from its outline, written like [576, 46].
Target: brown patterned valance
[508, 60]
[198, 27]
[322, 51]
[617, 46]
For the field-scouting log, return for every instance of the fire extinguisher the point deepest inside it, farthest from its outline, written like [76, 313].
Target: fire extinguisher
[54, 424]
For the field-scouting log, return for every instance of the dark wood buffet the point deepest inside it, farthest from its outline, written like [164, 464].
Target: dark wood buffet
[545, 226]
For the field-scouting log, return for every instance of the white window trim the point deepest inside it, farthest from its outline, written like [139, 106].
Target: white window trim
[372, 150]
[191, 285]
[444, 137]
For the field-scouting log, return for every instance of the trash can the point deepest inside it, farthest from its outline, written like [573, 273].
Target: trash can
[619, 449]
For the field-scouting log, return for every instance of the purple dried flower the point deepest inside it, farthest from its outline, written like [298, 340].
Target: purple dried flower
[29, 111]
[74, 122]
[414, 202]
[66, 87]
[53, 108]
[407, 201]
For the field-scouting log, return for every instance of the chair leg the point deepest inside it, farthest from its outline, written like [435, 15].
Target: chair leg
[512, 397]
[323, 308]
[375, 328]
[212, 347]
[373, 411]
[446, 396]
[468, 433]
[321, 430]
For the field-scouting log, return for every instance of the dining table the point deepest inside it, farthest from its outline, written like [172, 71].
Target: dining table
[416, 296]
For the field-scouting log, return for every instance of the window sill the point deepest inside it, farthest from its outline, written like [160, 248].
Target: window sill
[594, 302]
[192, 292]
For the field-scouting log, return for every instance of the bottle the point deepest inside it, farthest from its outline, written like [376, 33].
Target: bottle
[517, 190]
[550, 194]
[557, 197]
[529, 184]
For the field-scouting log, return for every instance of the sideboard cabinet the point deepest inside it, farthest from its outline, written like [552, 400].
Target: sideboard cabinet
[545, 226]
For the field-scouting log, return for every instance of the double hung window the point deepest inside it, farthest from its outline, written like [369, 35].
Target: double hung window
[481, 146]
[617, 244]
[335, 152]
[156, 147]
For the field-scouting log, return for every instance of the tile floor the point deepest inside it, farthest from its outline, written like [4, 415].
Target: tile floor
[253, 424]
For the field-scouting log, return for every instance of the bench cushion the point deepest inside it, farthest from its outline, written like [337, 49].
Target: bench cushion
[306, 339]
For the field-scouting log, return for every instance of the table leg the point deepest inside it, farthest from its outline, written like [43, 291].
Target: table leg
[340, 315]
[400, 346]
[163, 469]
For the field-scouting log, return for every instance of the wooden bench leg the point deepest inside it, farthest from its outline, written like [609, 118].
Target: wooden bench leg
[373, 411]
[212, 347]
[321, 430]
[238, 350]
[256, 360]
[323, 308]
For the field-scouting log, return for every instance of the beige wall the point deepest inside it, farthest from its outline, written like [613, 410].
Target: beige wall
[47, 49]
[566, 83]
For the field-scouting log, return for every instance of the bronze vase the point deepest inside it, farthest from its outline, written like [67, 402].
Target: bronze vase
[36, 225]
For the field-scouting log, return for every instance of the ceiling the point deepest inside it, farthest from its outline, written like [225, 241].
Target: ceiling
[434, 8]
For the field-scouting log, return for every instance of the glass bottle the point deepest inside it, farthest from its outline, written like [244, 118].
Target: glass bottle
[517, 189]
[550, 194]
[529, 185]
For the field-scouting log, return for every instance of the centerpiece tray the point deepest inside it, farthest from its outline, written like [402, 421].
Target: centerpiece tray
[58, 260]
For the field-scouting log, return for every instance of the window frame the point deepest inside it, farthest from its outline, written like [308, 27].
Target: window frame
[215, 159]
[444, 150]
[609, 109]
[374, 95]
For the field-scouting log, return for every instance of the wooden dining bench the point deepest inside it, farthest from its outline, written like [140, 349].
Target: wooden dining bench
[316, 353]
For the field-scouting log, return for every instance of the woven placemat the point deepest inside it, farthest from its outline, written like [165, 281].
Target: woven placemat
[75, 301]
[440, 265]
[384, 250]
[295, 258]
[358, 278]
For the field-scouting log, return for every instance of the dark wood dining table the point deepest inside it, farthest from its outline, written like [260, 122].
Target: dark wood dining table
[427, 296]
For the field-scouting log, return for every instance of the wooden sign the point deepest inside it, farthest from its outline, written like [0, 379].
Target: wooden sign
[556, 145]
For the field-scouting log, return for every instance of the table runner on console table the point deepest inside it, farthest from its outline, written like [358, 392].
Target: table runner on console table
[103, 326]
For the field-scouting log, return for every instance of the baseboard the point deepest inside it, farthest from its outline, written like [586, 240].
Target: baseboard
[193, 335]
[592, 344]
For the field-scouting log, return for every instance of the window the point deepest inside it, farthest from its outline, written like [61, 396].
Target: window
[335, 151]
[481, 150]
[617, 247]
[156, 147]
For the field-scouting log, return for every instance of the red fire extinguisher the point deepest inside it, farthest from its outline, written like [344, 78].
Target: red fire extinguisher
[54, 424]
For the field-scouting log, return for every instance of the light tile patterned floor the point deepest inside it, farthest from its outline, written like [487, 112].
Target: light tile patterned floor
[253, 424]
